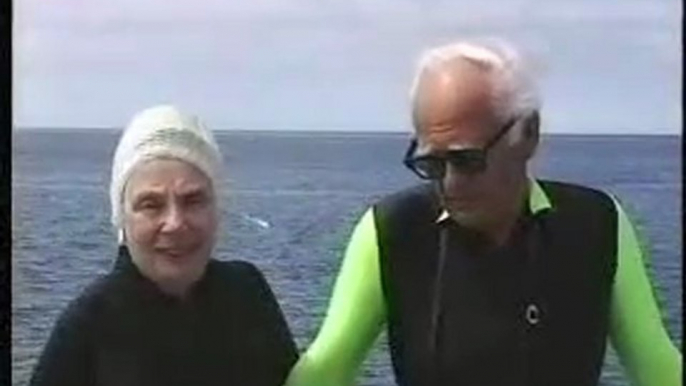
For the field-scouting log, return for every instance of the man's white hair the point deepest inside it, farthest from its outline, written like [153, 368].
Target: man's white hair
[515, 93]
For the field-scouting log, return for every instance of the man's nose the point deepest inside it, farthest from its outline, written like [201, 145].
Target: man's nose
[457, 178]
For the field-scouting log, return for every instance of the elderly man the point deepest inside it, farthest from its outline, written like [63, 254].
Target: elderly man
[485, 275]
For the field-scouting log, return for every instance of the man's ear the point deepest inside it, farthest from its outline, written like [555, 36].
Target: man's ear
[533, 123]
[531, 128]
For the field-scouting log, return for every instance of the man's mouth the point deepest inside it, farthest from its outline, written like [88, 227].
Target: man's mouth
[460, 199]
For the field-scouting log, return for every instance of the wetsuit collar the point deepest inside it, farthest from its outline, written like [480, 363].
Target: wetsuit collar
[538, 201]
[124, 265]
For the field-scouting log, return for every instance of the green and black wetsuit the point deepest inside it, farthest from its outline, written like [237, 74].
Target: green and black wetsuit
[574, 256]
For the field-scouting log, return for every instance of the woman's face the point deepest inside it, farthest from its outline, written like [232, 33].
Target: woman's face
[170, 222]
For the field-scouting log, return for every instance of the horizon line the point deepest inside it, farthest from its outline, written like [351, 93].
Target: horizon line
[336, 131]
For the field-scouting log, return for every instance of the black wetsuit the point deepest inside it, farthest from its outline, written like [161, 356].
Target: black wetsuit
[531, 312]
[124, 331]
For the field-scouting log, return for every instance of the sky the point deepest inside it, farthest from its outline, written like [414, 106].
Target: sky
[604, 66]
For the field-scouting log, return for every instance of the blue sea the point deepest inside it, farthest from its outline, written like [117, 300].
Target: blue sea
[291, 200]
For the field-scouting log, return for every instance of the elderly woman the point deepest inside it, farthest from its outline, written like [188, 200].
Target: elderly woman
[168, 314]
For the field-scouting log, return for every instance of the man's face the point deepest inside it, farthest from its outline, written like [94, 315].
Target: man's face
[170, 221]
[454, 111]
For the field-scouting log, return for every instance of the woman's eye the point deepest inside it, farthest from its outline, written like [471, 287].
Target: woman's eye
[149, 205]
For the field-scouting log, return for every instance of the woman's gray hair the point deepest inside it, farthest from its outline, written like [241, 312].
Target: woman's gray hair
[515, 92]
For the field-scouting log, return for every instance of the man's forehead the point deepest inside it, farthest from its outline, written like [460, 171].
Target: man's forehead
[457, 131]
[428, 144]
[459, 73]
[449, 98]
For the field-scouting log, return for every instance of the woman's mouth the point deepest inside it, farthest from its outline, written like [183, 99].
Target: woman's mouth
[172, 252]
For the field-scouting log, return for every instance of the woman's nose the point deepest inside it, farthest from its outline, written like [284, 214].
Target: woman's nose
[173, 218]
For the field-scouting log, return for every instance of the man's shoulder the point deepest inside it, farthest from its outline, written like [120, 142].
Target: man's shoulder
[569, 195]
[570, 186]
[418, 202]
[411, 194]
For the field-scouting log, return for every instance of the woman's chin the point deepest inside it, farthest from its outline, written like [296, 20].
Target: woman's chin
[178, 273]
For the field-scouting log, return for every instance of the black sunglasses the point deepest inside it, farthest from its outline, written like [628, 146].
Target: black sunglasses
[467, 161]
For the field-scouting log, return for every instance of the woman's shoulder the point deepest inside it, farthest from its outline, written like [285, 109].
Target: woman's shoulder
[237, 272]
[86, 307]
[235, 266]
[241, 278]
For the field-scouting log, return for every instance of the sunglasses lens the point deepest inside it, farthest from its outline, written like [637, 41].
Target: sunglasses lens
[429, 167]
[433, 167]
[468, 161]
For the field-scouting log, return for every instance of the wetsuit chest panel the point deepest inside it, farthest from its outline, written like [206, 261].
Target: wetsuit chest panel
[480, 314]
[483, 335]
[145, 339]
[414, 249]
[577, 266]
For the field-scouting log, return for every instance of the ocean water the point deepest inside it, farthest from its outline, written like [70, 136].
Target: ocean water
[291, 200]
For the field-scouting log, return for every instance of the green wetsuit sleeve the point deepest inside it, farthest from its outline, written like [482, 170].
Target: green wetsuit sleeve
[354, 319]
[636, 329]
